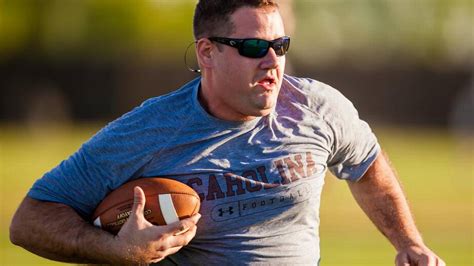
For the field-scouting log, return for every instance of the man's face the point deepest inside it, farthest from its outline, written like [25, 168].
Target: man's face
[242, 87]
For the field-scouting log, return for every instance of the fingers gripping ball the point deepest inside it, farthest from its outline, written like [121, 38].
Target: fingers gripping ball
[167, 201]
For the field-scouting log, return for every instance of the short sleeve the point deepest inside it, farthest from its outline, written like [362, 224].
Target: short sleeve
[116, 154]
[354, 145]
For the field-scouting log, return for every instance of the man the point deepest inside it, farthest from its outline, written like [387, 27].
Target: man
[255, 144]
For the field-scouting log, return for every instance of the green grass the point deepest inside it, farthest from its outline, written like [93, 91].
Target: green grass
[435, 169]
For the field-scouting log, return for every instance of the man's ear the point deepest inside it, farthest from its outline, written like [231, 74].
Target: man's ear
[204, 53]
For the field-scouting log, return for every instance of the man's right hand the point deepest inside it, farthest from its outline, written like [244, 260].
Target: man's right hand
[139, 241]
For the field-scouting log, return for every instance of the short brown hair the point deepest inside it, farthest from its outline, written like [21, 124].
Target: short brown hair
[212, 17]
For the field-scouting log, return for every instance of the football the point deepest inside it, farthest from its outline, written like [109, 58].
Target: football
[167, 201]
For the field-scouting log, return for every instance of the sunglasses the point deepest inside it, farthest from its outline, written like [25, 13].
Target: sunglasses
[256, 48]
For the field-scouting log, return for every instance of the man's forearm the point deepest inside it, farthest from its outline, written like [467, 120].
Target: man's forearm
[57, 232]
[380, 195]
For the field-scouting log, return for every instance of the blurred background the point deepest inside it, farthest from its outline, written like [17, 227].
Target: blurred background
[67, 67]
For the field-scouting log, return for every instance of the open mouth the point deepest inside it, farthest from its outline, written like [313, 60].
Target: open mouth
[267, 82]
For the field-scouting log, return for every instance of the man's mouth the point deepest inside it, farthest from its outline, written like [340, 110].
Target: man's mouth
[267, 83]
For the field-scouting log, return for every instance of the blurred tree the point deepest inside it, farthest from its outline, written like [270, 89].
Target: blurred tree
[374, 32]
[426, 31]
[101, 30]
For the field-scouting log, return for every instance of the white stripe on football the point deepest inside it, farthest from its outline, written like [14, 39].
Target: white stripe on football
[167, 208]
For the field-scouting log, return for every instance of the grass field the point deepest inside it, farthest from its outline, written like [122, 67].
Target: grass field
[435, 169]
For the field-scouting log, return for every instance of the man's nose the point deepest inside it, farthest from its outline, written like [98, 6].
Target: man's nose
[270, 60]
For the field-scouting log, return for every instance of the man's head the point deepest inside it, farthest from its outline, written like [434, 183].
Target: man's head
[212, 17]
[238, 84]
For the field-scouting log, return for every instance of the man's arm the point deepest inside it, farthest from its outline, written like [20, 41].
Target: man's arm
[57, 232]
[381, 197]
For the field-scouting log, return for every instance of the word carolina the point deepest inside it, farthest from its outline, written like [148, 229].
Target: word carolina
[290, 169]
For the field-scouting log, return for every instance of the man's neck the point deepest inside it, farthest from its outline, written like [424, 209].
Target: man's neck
[213, 107]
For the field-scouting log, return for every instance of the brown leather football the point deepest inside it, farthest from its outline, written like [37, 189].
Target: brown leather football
[167, 201]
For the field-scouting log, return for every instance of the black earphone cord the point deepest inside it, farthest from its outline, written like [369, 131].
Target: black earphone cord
[186, 61]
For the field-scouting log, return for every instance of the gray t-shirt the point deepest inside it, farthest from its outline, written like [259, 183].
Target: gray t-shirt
[259, 181]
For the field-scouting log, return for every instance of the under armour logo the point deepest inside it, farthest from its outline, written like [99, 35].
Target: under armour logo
[230, 210]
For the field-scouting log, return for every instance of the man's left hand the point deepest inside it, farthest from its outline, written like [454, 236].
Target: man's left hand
[418, 256]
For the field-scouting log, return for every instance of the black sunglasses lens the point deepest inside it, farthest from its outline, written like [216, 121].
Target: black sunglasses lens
[257, 48]
[254, 48]
[281, 46]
